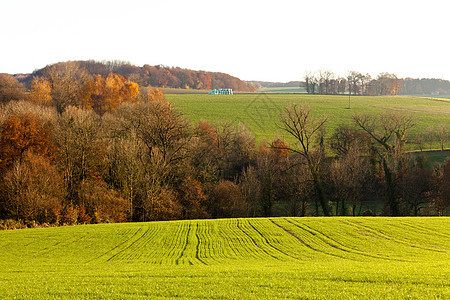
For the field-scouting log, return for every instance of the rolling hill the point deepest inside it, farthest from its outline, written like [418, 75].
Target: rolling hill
[320, 258]
[260, 112]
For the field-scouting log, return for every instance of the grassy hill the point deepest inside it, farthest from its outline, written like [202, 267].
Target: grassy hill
[260, 112]
[320, 258]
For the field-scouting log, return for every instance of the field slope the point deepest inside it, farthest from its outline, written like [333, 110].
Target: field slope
[317, 258]
[260, 112]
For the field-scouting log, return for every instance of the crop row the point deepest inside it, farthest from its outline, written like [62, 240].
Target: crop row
[279, 239]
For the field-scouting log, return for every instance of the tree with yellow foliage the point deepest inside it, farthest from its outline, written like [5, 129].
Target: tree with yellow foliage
[107, 94]
[41, 91]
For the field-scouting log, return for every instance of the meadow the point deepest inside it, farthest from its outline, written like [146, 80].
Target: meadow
[282, 90]
[260, 112]
[309, 258]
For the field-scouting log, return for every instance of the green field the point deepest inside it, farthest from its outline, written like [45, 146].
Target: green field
[260, 112]
[282, 90]
[168, 91]
[315, 258]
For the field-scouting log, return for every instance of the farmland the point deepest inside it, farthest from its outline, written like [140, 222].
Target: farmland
[318, 258]
[282, 90]
[260, 112]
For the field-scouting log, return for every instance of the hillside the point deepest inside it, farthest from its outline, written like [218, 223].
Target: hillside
[260, 112]
[324, 258]
[156, 76]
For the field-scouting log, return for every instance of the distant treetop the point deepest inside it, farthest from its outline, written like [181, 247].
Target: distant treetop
[156, 76]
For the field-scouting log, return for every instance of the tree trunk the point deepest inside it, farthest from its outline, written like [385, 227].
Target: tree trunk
[390, 188]
[323, 200]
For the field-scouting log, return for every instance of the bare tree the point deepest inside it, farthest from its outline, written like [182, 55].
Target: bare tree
[298, 122]
[65, 81]
[345, 138]
[33, 190]
[389, 135]
[430, 136]
[326, 76]
[311, 82]
[10, 89]
[162, 141]
[354, 82]
[387, 84]
[81, 150]
[126, 157]
[442, 134]
[420, 140]
[350, 175]
[417, 187]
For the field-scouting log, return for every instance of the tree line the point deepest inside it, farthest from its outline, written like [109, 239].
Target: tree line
[155, 76]
[425, 86]
[325, 82]
[95, 149]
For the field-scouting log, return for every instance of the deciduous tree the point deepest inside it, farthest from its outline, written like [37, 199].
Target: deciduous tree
[10, 89]
[109, 93]
[65, 80]
[389, 134]
[21, 133]
[82, 151]
[304, 128]
[32, 189]
[41, 91]
[442, 134]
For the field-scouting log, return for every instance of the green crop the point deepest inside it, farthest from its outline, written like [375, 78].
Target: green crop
[316, 258]
[260, 112]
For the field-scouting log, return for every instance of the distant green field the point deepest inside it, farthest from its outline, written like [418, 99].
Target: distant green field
[183, 91]
[443, 96]
[282, 90]
[260, 112]
[434, 156]
[316, 258]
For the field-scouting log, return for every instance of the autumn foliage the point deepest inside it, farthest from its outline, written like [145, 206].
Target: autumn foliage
[159, 76]
[21, 133]
[99, 148]
[41, 91]
[106, 94]
[33, 189]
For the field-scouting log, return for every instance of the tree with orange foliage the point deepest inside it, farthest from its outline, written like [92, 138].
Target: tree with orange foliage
[21, 133]
[280, 148]
[107, 94]
[192, 199]
[149, 94]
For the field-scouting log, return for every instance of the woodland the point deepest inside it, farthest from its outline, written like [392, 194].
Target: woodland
[79, 148]
[326, 82]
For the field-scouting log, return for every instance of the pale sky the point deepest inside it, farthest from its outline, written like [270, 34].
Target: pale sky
[252, 40]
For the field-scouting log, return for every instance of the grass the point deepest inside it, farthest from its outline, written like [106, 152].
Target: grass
[433, 157]
[316, 258]
[260, 112]
[183, 91]
[282, 90]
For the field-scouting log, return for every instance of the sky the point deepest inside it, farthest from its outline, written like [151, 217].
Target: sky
[253, 40]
